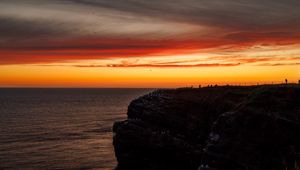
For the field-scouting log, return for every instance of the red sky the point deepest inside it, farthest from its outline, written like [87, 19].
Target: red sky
[126, 43]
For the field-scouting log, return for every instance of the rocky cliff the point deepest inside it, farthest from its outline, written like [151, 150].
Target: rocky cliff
[215, 128]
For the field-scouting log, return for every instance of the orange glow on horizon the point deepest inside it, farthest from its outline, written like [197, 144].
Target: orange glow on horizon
[149, 66]
[63, 76]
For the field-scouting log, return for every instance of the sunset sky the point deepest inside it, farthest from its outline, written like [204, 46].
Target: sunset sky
[148, 43]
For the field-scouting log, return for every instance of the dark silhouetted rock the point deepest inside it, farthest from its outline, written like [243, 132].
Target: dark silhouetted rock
[220, 128]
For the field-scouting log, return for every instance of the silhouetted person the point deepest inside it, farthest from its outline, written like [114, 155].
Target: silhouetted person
[298, 81]
[286, 81]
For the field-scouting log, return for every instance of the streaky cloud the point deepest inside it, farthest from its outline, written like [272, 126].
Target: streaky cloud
[278, 64]
[52, 31]
[162, 65]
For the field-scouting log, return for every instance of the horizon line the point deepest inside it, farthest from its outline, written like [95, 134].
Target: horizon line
[177, 87]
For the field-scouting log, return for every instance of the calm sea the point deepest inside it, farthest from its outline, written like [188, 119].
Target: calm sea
[60, 128]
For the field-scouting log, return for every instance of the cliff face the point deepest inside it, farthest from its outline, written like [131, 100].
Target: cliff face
[212, 128]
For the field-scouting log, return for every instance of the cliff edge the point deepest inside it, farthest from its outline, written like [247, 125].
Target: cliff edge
[213, 128]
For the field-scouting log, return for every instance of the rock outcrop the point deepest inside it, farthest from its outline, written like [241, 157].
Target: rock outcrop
[216, 128]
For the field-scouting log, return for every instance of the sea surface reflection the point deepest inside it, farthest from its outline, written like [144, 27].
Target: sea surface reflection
[60, 128]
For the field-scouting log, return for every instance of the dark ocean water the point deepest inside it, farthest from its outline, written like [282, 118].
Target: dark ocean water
[60, 128]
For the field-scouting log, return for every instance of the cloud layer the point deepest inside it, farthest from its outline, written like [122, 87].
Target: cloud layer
[50, 31]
